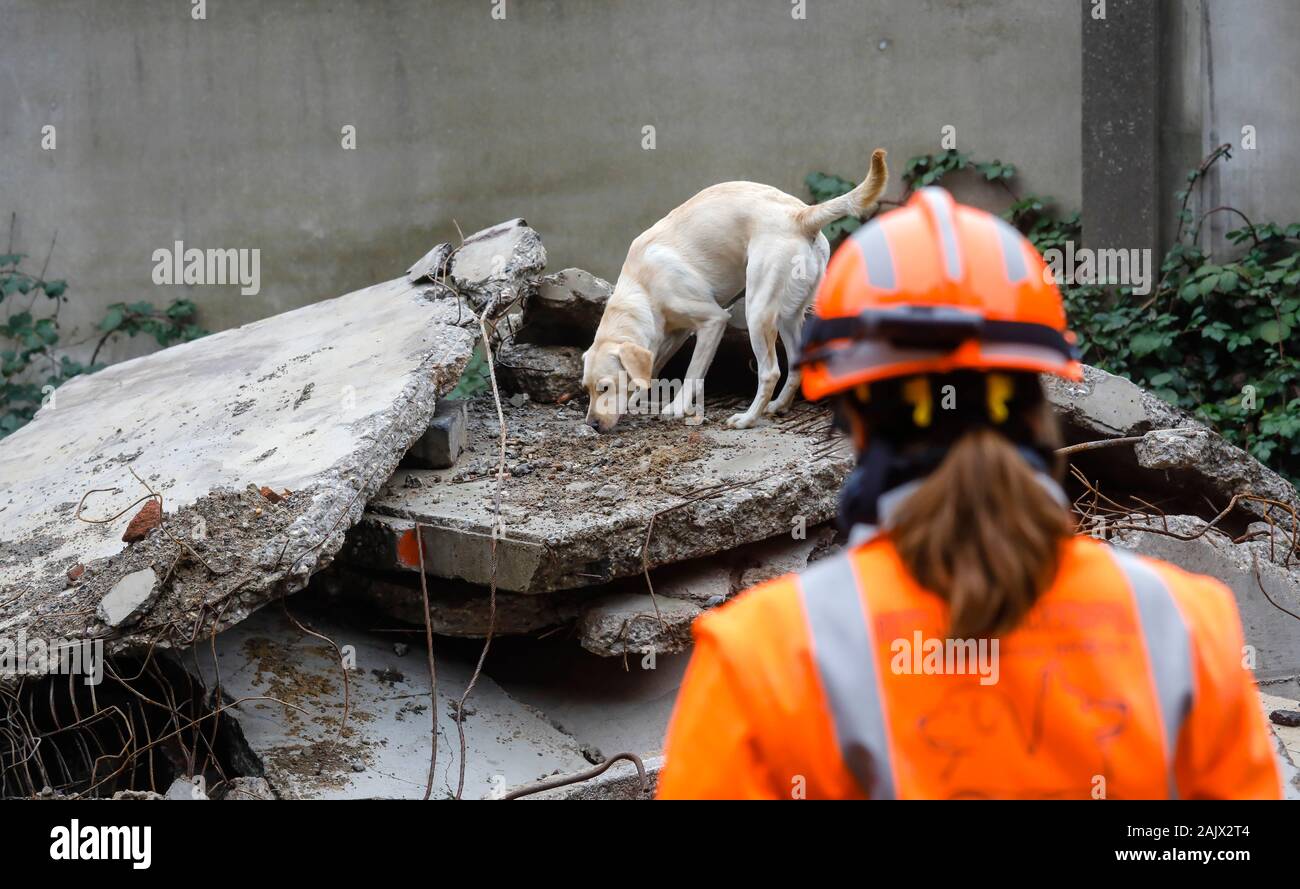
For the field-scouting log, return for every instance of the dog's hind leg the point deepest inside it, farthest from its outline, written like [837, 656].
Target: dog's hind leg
[794, 311]
[765, 284]
[791, 330]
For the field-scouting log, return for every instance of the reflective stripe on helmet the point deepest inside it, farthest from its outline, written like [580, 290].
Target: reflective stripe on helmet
[846, 665]
[940, 204]
[1013, 252]
[875, 253]
[1169, 649]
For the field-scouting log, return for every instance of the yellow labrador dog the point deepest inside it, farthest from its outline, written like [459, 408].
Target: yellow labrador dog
[683, 271]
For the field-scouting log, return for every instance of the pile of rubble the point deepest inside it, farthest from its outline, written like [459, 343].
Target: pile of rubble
[318, 450]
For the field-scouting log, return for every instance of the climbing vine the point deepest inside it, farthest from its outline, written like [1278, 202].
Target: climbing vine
[33, 359]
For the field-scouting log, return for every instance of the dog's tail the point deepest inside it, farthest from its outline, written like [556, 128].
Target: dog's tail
[813, 219]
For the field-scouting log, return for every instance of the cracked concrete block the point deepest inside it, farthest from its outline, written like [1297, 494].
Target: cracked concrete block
[323, 400]
[184, 788]
[248, 788]
[546, 374]
[455, 609]
[708, 490]
[608, 705]
[1103, 405]
[129, 598]
[566, 309]
[431, 266]
[497, 265]
[783, 555]
[1249, 571]
[1179, 458]
[637, 623]
[440, 446]
[384, 751]
[712, 580]
[707, 581]
[1216, 467]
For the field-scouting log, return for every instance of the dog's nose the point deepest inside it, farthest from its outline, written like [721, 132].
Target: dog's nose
[594, 424]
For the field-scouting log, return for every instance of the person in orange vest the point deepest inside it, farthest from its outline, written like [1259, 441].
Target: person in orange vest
[966, 644]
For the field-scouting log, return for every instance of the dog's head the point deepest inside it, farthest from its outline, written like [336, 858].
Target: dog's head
[611, 372]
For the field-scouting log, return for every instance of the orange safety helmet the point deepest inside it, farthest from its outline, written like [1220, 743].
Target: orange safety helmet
[932, 287]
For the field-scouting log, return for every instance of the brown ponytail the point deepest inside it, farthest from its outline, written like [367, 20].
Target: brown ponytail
[982, 533]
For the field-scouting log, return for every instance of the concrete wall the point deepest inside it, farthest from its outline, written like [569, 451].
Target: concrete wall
[1240, 66]
[226, 132]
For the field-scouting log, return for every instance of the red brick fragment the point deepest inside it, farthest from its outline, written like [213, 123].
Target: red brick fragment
[148, 518]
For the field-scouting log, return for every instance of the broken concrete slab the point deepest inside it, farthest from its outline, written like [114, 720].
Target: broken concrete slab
[463, 610]
[495, 267]
[456, 609]
[608, 705]
[546, 374]
[637, 623]
[711, 580]
[565, 309]
[578, 514]
[383, 752]
[1103, 405]
[1248, 569]
[247, 788]
[440, 446]
[1196, 453]
[430, 267]
[1178, 458]
[129, 598]
[185, 788]
[322, 400]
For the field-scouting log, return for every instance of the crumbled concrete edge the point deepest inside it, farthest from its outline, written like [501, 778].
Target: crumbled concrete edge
[1222, 468]
[1264, 581]
[1110, 406]
[312, 524]
[1104, 405]
[763, 507]
[637, 624]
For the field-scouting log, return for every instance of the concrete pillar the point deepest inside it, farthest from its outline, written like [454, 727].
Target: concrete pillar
[1121, 94]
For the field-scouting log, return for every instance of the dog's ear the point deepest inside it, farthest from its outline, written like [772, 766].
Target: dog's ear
[638, 361]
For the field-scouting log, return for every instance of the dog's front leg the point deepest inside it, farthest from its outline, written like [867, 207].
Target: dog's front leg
[670, 346]
[707, 338]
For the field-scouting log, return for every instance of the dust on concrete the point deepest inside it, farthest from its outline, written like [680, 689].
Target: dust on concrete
[212, 558]
[550, 450]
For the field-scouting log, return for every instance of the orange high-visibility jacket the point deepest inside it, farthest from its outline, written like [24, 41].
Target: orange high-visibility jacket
[1126, 680]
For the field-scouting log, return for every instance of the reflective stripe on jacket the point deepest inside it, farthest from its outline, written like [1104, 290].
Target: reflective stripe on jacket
[1126, 680]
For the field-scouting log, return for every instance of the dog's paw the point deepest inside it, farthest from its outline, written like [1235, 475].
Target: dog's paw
[673, 409]
[775, 409]
[741, 421]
